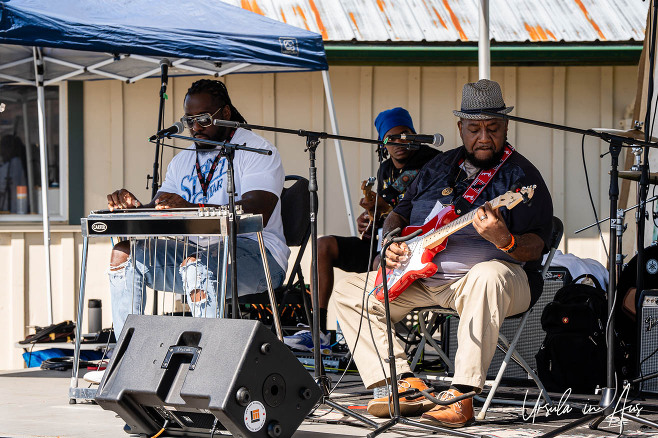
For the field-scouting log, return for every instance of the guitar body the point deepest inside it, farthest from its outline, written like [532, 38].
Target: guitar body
[419, 262]
[432, 240]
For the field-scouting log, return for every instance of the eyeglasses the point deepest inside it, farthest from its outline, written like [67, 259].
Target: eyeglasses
[204, 119]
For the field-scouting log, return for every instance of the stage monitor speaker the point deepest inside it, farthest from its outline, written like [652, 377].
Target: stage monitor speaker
[648, 339]
[201, 375]
[533, 334]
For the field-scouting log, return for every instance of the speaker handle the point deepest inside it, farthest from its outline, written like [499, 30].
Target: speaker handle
[182, 350]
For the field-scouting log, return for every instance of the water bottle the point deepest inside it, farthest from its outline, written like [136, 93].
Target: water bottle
[95, 321]
[21, 200]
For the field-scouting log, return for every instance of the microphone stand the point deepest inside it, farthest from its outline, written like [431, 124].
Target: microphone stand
[395, 395]
[164, 77]
[609, 395]
[227, 150]
[312, 142]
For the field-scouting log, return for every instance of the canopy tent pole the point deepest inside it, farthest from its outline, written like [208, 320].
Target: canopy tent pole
[339, 151]
[43, 155]
[484, 52]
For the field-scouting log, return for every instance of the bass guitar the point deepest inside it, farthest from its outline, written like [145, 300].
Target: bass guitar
[434, 239]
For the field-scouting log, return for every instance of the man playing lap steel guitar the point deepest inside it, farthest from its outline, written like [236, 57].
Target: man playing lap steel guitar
[483, 273]
[197, 177]
[351, 254]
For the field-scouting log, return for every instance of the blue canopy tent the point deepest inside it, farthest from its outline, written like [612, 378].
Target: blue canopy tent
[43, 42]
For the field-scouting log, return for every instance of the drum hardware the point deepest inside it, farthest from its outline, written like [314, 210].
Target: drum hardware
[634, 175]
[637, 155]
[653, 198]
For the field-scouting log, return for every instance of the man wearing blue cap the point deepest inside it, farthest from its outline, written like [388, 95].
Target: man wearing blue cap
[351, 254]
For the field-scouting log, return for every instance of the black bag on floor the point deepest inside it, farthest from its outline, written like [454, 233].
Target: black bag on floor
[573, 354]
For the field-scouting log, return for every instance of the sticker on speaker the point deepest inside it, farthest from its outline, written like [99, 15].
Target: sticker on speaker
[254, 416]
[652, 266]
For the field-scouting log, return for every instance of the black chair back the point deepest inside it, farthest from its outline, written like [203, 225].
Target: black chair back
[295, 207]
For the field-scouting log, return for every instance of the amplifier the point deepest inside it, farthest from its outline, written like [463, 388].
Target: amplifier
[205, 376]
[532, 335]
[648, 339]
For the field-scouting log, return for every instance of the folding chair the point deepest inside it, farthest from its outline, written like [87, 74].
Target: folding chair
[509, 348]
[295, 207]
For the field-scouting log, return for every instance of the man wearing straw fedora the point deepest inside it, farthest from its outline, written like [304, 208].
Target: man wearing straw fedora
[483, 273]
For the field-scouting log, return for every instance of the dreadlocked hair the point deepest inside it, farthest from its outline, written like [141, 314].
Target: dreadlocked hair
[218, 90]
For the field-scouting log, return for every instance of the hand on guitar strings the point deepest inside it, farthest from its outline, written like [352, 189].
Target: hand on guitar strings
[171, 200]
[364, 225]
[122, 199]
[368, 204]
[396, 253]
[489, 223]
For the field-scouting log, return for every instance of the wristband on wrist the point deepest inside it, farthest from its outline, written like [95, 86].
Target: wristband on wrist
[510, 247]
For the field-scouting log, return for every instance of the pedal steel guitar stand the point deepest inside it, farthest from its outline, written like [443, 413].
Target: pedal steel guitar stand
[610, 394]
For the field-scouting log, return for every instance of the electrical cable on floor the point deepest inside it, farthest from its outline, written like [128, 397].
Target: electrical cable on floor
[164, 426]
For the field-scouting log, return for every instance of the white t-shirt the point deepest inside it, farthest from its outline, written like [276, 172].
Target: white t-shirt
[252, 172]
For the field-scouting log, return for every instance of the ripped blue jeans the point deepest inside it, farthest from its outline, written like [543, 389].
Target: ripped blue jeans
[156, 263]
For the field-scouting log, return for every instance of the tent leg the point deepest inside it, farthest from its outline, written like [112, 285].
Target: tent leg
[43, 155]
[339, 152]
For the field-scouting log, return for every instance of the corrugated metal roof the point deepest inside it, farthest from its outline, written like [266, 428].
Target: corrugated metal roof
[514, 21]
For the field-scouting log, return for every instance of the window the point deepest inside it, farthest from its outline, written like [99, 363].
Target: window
[20, 168]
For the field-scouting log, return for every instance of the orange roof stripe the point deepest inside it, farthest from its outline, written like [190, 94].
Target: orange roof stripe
[591, 21]
[251, 5]
[443, 23]
[298, 10]
[318, 19]
[455, 21]
[354, 20]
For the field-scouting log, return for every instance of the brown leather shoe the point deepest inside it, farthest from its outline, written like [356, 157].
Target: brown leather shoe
[458, 414]
[379, 407]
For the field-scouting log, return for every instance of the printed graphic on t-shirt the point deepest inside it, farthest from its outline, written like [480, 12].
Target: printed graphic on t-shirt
[190, 185]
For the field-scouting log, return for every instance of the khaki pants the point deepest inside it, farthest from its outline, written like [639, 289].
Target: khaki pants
[488, 293]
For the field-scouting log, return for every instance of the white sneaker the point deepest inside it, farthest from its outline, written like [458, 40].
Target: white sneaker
[303, 341]
[94, 377]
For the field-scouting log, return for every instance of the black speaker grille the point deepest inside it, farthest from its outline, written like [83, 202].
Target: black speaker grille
[649, 340]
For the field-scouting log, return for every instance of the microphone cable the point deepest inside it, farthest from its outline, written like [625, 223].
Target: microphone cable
[591, 199]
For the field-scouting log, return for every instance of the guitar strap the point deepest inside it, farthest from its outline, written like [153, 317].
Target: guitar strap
[480, 182]
[205, 181]
[393, 191]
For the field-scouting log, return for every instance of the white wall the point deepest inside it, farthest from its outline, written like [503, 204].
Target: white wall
[119, 117]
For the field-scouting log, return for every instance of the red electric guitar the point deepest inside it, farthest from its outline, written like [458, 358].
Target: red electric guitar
[434, 239]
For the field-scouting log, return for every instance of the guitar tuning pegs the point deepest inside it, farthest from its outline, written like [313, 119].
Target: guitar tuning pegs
[526, 199]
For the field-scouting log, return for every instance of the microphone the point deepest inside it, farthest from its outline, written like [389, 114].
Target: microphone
[164, 69]
[176, 128]
[433, 141]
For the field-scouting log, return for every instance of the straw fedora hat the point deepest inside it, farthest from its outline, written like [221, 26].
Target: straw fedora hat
[482, 95]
